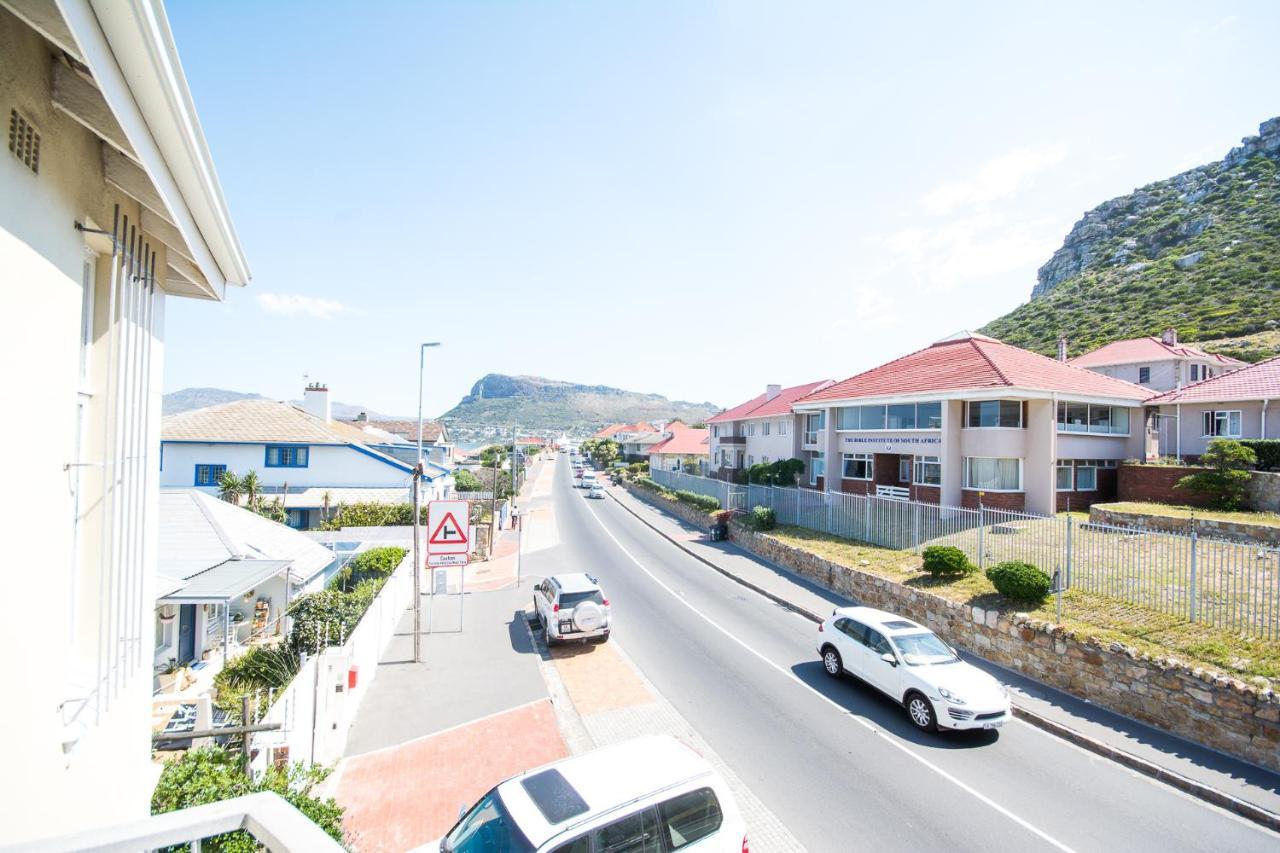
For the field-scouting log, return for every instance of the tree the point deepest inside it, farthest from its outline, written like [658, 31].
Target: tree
[465, 481]
[230, 487]
[605, 452]
[1227, 463]
[272, 509]
[252, 487]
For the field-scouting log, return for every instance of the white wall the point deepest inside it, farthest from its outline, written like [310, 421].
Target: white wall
[329, 465]
[1192, 417]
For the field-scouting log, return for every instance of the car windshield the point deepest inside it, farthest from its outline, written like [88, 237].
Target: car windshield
[923, 649]
[487, 828]
[572, 599]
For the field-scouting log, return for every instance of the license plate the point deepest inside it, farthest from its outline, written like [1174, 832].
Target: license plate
[995, 724]
[565, 627]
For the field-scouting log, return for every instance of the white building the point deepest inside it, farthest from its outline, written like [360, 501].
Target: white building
[226, 575]
[109, 207]
[303, 457]
[1231, 405]
[1161, 364]
[762, 430]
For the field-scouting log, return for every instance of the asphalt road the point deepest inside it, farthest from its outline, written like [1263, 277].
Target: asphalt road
[835, 760]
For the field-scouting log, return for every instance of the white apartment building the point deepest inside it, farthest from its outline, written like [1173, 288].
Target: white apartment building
[1161, 364]
[762, 430]
[972, 420]
[109, 207]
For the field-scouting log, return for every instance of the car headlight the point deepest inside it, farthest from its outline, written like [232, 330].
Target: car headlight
[949, 696]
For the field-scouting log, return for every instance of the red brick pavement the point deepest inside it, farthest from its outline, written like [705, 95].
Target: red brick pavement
[408, 795]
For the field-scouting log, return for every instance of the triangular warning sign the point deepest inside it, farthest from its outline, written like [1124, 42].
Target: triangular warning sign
[449, 532]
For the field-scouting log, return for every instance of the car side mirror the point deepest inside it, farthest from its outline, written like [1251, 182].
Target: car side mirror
[888, 658]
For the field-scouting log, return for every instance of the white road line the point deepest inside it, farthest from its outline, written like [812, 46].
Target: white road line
[839, 708]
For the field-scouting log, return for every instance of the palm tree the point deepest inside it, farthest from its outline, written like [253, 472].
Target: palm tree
[230, 487]
[252, 487]
[324, 501]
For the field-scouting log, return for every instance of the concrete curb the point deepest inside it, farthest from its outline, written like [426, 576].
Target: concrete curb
[1199, 790]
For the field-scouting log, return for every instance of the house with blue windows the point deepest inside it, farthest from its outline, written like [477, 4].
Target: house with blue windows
[301, 455]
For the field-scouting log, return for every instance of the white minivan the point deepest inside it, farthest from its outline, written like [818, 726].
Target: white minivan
[649, 795]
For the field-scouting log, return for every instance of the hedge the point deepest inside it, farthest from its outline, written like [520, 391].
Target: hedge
[374, 563]
[1019, 581]
[706, 503]
[1268, 452]
[942, 560]
[371, 514]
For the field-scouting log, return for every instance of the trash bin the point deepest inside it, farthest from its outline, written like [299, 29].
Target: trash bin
[719, 532]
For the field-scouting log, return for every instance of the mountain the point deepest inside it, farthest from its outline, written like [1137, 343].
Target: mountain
[1199, 252]
[534, 403]
[199, 398]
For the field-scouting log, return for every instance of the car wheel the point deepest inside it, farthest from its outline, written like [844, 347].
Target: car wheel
[920, 711]
[831, 662]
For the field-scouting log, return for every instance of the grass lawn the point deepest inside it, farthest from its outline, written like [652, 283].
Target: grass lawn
[1270, 519]
[1088, 614]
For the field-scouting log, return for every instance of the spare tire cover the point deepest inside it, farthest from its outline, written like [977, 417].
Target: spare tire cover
[588, 616]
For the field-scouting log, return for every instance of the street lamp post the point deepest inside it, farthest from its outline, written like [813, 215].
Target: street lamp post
[417, 516]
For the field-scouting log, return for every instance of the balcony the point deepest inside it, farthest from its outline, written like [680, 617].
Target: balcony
[812, 438]
[269, 818]
[733, 439]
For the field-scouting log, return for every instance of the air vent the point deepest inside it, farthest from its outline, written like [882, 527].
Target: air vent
[24, 141]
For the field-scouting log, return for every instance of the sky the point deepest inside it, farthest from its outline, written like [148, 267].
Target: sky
[689, 198]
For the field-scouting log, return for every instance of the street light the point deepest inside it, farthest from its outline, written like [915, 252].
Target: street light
[417, 516]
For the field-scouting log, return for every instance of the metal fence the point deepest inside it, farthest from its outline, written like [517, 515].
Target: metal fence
[1230, 585]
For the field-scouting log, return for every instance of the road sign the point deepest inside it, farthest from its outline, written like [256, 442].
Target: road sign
[436, 561]
[448, 522]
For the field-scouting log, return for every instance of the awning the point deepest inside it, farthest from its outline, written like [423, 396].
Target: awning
[226, 580]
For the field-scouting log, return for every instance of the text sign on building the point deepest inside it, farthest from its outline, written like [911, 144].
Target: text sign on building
[449, 526]
[888, 443]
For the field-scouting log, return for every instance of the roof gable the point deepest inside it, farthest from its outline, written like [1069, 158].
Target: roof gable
[1147, 349]
[1259, 381]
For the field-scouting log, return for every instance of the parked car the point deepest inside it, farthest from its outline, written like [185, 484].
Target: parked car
[572, 607]
[648, 794]
[914, 667]
[596, 491]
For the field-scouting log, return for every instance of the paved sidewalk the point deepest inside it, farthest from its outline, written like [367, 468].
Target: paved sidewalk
[1235, 778]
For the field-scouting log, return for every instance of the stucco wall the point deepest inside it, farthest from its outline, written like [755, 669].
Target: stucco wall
[328, 465]
[1193, 442]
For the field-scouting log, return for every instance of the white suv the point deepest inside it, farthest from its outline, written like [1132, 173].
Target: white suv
[914, 667]
[572, 607]
[648, 795]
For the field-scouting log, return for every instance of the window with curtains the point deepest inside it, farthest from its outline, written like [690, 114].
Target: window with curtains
[287, 456]
[928, 470]
[857, 466]
[993, 474]
[990, 414]
[1086, 476]
[1064, 483]
[1222, 424]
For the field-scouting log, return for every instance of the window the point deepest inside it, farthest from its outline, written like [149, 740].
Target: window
[876, 641]
[782, 427]
[857, 466]
[637, 833]
[1144, 375]
[904, 469]
[901, 416]
[209, 475]
[764, 427]
[1100, 420]
[1064, 475]
[851, 629]
[764, 460]
[751, 428]
[1222, 423]
[297, 518]
[287, 456]
[487, 827]
[1086, 476]
[164, 632]
[751, 460]
[715, 430]
[812, 425]
[929, 415]
[1197, 373]
[817, 468]
[987, 414]
[928, 470]
[689, 817]
[993, 474]
[926, 415]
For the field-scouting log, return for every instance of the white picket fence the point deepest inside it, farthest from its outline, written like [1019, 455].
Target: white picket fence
[318, 707]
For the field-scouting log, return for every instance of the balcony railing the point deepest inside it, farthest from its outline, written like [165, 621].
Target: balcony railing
[733, 439]
[269, 818]
[811, 437]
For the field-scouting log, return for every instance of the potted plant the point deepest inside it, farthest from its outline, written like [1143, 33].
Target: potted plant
[167, 677]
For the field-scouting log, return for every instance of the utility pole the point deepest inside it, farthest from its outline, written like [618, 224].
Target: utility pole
[493, 500]
[417, 516]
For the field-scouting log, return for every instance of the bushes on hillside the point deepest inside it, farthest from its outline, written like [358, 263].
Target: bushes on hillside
[1019, 581]
[706, 503]
[1267, 452]
[211, 773]
[944, 560]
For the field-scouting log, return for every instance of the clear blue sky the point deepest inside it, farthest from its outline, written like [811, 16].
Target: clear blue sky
[688, 198]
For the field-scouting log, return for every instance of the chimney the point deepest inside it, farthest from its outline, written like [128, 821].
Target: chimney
[771, 391]
[1062, 350]
[315, 401]
[1169, 337]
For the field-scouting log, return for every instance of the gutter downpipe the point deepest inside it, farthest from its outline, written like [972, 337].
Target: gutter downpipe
[1263, 431]
[1177, 432]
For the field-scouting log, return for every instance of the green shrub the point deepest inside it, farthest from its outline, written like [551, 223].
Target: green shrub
[942, 560]
[212, 773]
[706, 503]
[465, 481]
[1226, 473]
[255, 672]
[762, 518]
[371, 514]
[374, 563]
[1267, 452]
[326, 618]
[1019, 581]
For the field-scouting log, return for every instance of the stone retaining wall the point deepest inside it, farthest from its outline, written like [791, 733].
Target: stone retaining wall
[684, 512]
[1232, 531]
[1263, 491]
[1203, 706]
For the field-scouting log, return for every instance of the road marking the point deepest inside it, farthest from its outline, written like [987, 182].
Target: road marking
[830, 702]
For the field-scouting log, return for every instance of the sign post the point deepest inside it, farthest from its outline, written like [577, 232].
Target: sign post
[449, 545]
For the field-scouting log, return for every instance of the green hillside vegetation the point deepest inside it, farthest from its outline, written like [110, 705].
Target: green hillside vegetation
[1141, 272]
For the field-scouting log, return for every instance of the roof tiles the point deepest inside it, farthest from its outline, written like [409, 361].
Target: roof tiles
[1146, 349]
[1259, 381]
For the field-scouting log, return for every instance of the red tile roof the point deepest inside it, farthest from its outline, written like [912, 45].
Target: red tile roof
[760, 406]
[1259, 381]
[613, 429]
[685, 440]
[1146, 349]
[975, 362]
